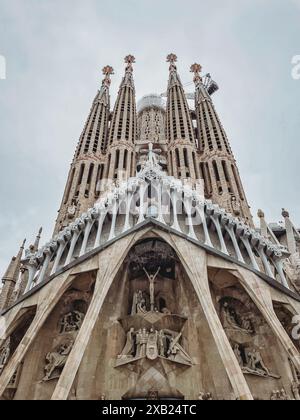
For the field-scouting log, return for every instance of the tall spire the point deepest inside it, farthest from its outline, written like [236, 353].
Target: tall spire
[87, 169]
[180, 130]
[217, 164]
[37, 239]
[10, 279]
[123, 129]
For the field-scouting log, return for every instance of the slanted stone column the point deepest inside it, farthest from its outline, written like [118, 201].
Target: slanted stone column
[261, 296]
[196, 269]
[106, 274]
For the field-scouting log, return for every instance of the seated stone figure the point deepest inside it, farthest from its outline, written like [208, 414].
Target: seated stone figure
[57, 359]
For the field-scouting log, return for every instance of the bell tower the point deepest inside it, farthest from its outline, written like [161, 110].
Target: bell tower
[120, 164]
[217, 165]
[179, 128]
[87, 168]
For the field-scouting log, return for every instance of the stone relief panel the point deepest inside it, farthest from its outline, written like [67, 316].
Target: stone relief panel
[4, 354]
[251, 362]
[285, 316]
[74, 307]
[10, 345]
[56, 360]
[153, 343]
[261, 356]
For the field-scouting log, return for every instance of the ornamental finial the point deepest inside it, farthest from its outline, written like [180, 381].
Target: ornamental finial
[172, 58]
[196, 69]
[107, 71]
[129, 59]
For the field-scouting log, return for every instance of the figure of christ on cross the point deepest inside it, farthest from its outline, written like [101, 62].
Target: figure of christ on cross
[151, 278]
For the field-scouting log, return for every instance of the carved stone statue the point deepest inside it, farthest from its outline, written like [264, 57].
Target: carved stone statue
[57, 359]
[231, 320]
[162, 343]
[279, 396]
[246, 325]
[176, 351]
[139, 303]
[256, 364]
[129, 346]
[151, 278]
[71, 322]
[4, 355]
[238, 354]
[143, 340]
[153, 344]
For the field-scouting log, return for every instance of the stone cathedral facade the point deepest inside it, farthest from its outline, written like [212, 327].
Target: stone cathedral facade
[156, 284]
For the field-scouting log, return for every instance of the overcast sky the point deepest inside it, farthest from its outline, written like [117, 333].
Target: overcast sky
[55, 50]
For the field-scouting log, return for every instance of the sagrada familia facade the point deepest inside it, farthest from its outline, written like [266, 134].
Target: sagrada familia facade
[156, 284]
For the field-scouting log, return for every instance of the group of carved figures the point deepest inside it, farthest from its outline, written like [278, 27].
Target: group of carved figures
[139, 305]
[152, 344]
[280, 396]
[251, 362]
[232, 320]
[71, 322]
[56, 359]
[4, 355]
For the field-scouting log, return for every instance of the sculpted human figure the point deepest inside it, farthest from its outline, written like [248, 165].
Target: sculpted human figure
[71, 322]
[229, 319]
[255, 362]
[274, 396]
[238, 354]
[246, 324]
[176, 352]
[78, 319]
[57, 359]
[152, 344]
[284, 396]
[143, 342]
[151, 278]
[4, 355]
[162, 343]
[129, 346]
[139, 303]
